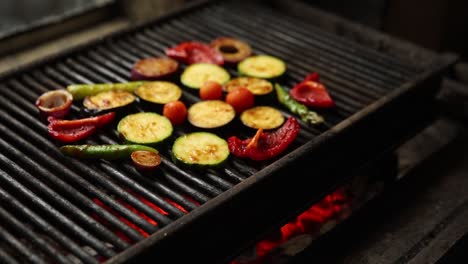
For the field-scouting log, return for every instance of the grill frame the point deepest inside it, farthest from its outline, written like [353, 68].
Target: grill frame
[228, 205]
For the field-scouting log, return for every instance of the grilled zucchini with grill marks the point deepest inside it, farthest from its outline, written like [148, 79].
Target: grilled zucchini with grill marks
[145, 128]
[197, 74]
[159, 92]
[200, 149]
[265, 117]
[108, 100]
[262, 66]
[256, 86]
[210, 114]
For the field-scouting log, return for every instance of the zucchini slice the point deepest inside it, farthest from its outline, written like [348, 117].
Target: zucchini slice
[159, 92]
[256, 86]
[197, 74]
[108, 100]
[201, 149]
[265, 117]
[145, 128]
[210, 114]
[262, 66]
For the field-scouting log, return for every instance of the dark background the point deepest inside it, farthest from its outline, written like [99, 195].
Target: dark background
[441, 25]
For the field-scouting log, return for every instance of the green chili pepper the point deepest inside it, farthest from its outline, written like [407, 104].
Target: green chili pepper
[109, 152]
[297, 108]
[80, 91]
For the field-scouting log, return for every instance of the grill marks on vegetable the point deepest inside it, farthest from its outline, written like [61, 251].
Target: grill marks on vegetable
[112, 62]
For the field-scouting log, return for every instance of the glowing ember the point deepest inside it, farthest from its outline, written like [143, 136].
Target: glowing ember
[312, 222]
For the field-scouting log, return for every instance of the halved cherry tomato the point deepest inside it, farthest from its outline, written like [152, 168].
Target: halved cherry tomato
[195, 52]
[211, 91]
[176, 111]
[240, 99]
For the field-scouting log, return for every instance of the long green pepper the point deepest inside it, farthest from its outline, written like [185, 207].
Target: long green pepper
[297, 108]
[108, 152]
[80, 91]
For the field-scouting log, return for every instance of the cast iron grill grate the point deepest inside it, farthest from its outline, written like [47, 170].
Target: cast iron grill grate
[56, 209]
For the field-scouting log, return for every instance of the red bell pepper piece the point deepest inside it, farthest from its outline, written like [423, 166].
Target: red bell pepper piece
[265, 145]
[74, 130]
[312, 93]
[195, 52]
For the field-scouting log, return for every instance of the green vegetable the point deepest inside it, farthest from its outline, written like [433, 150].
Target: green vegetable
[80, 91]
[297, 108]
[262, 66]
[200, 149]
[145, 128]
[109, 152]
[197, 74]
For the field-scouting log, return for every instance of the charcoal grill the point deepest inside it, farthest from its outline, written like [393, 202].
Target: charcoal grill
[57, 209]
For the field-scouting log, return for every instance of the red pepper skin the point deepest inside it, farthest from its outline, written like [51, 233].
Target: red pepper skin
[195, 52]
[74, 130]
[72, 134]
[313, 94]
[97, 121]
[314, 77]
[265, 145]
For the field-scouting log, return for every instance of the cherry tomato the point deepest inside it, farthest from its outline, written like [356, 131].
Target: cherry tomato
[241, 99]
[211, 91]
[176, 112]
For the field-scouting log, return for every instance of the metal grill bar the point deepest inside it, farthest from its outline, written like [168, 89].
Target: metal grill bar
[333, 42]
[64, 187]
[33, 237]
[6, 257]
[43, 225]
[71, 205]
[8, 238]
[54, 214]
[54, 197]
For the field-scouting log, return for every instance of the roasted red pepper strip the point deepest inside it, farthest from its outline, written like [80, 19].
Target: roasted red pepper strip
[311, 92]
[265, 145]
[74, 130]
[195, 52]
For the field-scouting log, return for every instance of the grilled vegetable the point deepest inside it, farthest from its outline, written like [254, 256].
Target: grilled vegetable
[265, 117]
[210, 114]
[240, 99]
[145, 128]
[233, 50]
[176, 112]
[80, 91]
[75, 130]
[200, 149]
[211, 91]
[145, 160]
[154, 68]
[108, 152]
[265, 145]
[254, 85]
[195, 52]
[108, 100]
[262, 66]
[312, 94]
[55, 103]
[198, 74]
[297, 108]
[159, 92]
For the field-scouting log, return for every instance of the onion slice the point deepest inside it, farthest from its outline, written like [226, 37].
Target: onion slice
[145, 160]
[56, 103]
